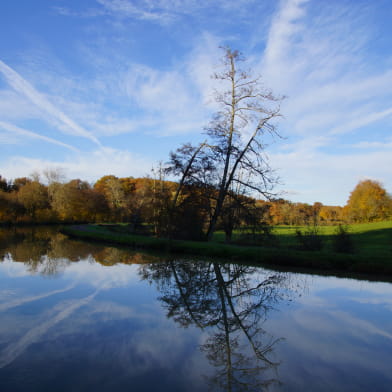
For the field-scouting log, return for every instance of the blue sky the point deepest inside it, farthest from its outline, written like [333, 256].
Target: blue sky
[101, 87]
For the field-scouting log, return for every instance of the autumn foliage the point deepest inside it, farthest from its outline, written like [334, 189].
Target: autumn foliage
[147, 204]
[369, 202]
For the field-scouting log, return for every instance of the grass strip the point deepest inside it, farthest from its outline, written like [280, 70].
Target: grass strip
[289, 258]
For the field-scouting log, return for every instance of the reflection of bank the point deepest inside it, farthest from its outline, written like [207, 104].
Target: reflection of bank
[47, 252]
[231, 303]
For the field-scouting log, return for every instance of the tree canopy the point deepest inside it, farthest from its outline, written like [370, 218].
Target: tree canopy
[369, 201]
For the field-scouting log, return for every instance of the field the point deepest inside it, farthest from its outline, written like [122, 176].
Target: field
[369, 239]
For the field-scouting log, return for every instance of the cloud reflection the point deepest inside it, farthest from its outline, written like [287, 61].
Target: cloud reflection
[15, 349]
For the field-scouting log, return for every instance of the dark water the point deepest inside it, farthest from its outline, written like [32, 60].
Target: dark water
[81, 317]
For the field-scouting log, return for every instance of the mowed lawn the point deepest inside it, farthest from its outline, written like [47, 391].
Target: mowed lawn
[369, 239]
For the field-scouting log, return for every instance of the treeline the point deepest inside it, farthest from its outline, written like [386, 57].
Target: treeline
[146, 204]
[110, 199]
[29, 244]
[368, 202]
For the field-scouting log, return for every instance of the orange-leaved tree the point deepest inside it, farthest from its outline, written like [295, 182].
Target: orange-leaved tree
[368, 202]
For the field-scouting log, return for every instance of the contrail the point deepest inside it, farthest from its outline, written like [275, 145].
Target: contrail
[21, 85]
[361, 121]
[14, 129]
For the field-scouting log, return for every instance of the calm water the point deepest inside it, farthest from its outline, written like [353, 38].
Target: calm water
[81, 317]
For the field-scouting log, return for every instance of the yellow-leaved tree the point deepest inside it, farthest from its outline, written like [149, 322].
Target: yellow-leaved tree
[368, 202]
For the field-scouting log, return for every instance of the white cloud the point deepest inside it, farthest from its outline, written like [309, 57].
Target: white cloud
[283, 27]
[323, 69]
[87, 166]
[202, 62]
[158, 90]
[178, 100]
[310, 175]
[15, 107]
[95, 115]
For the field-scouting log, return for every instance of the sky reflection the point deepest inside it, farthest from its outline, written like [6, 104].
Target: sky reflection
[146, 322]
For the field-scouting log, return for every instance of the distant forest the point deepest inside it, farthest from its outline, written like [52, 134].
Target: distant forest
[146, 202]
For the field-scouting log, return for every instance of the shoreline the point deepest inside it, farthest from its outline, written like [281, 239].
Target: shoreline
[319, 261]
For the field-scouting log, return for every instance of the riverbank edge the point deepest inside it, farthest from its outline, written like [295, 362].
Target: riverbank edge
[274, 257]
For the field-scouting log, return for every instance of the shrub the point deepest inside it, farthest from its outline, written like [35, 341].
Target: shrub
[310, 239]
[342, 241]
[263, 236]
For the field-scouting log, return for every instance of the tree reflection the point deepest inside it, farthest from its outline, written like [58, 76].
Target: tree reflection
[45, 251]
[231, 303]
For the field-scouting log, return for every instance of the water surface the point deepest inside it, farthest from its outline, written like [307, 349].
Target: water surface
[78, 316]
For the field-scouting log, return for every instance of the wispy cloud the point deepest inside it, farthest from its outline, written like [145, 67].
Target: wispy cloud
[165, 11]
[318, 55]
[324, 71]
[283, 28]
[374, 145]
[32, 135]
[179, 99]
[169, 102]
[14, 107]
[22, 86]
[146, 10]
[88, 166]
[91, 12]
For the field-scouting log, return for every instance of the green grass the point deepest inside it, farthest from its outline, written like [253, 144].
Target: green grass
[369, 239]
[372, 247]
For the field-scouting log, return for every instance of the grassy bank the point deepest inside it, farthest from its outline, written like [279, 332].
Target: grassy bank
[369, 240]
[372, 244]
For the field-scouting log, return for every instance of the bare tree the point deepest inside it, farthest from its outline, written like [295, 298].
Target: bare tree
[235, 149]
[54, 175]
[237, 131]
